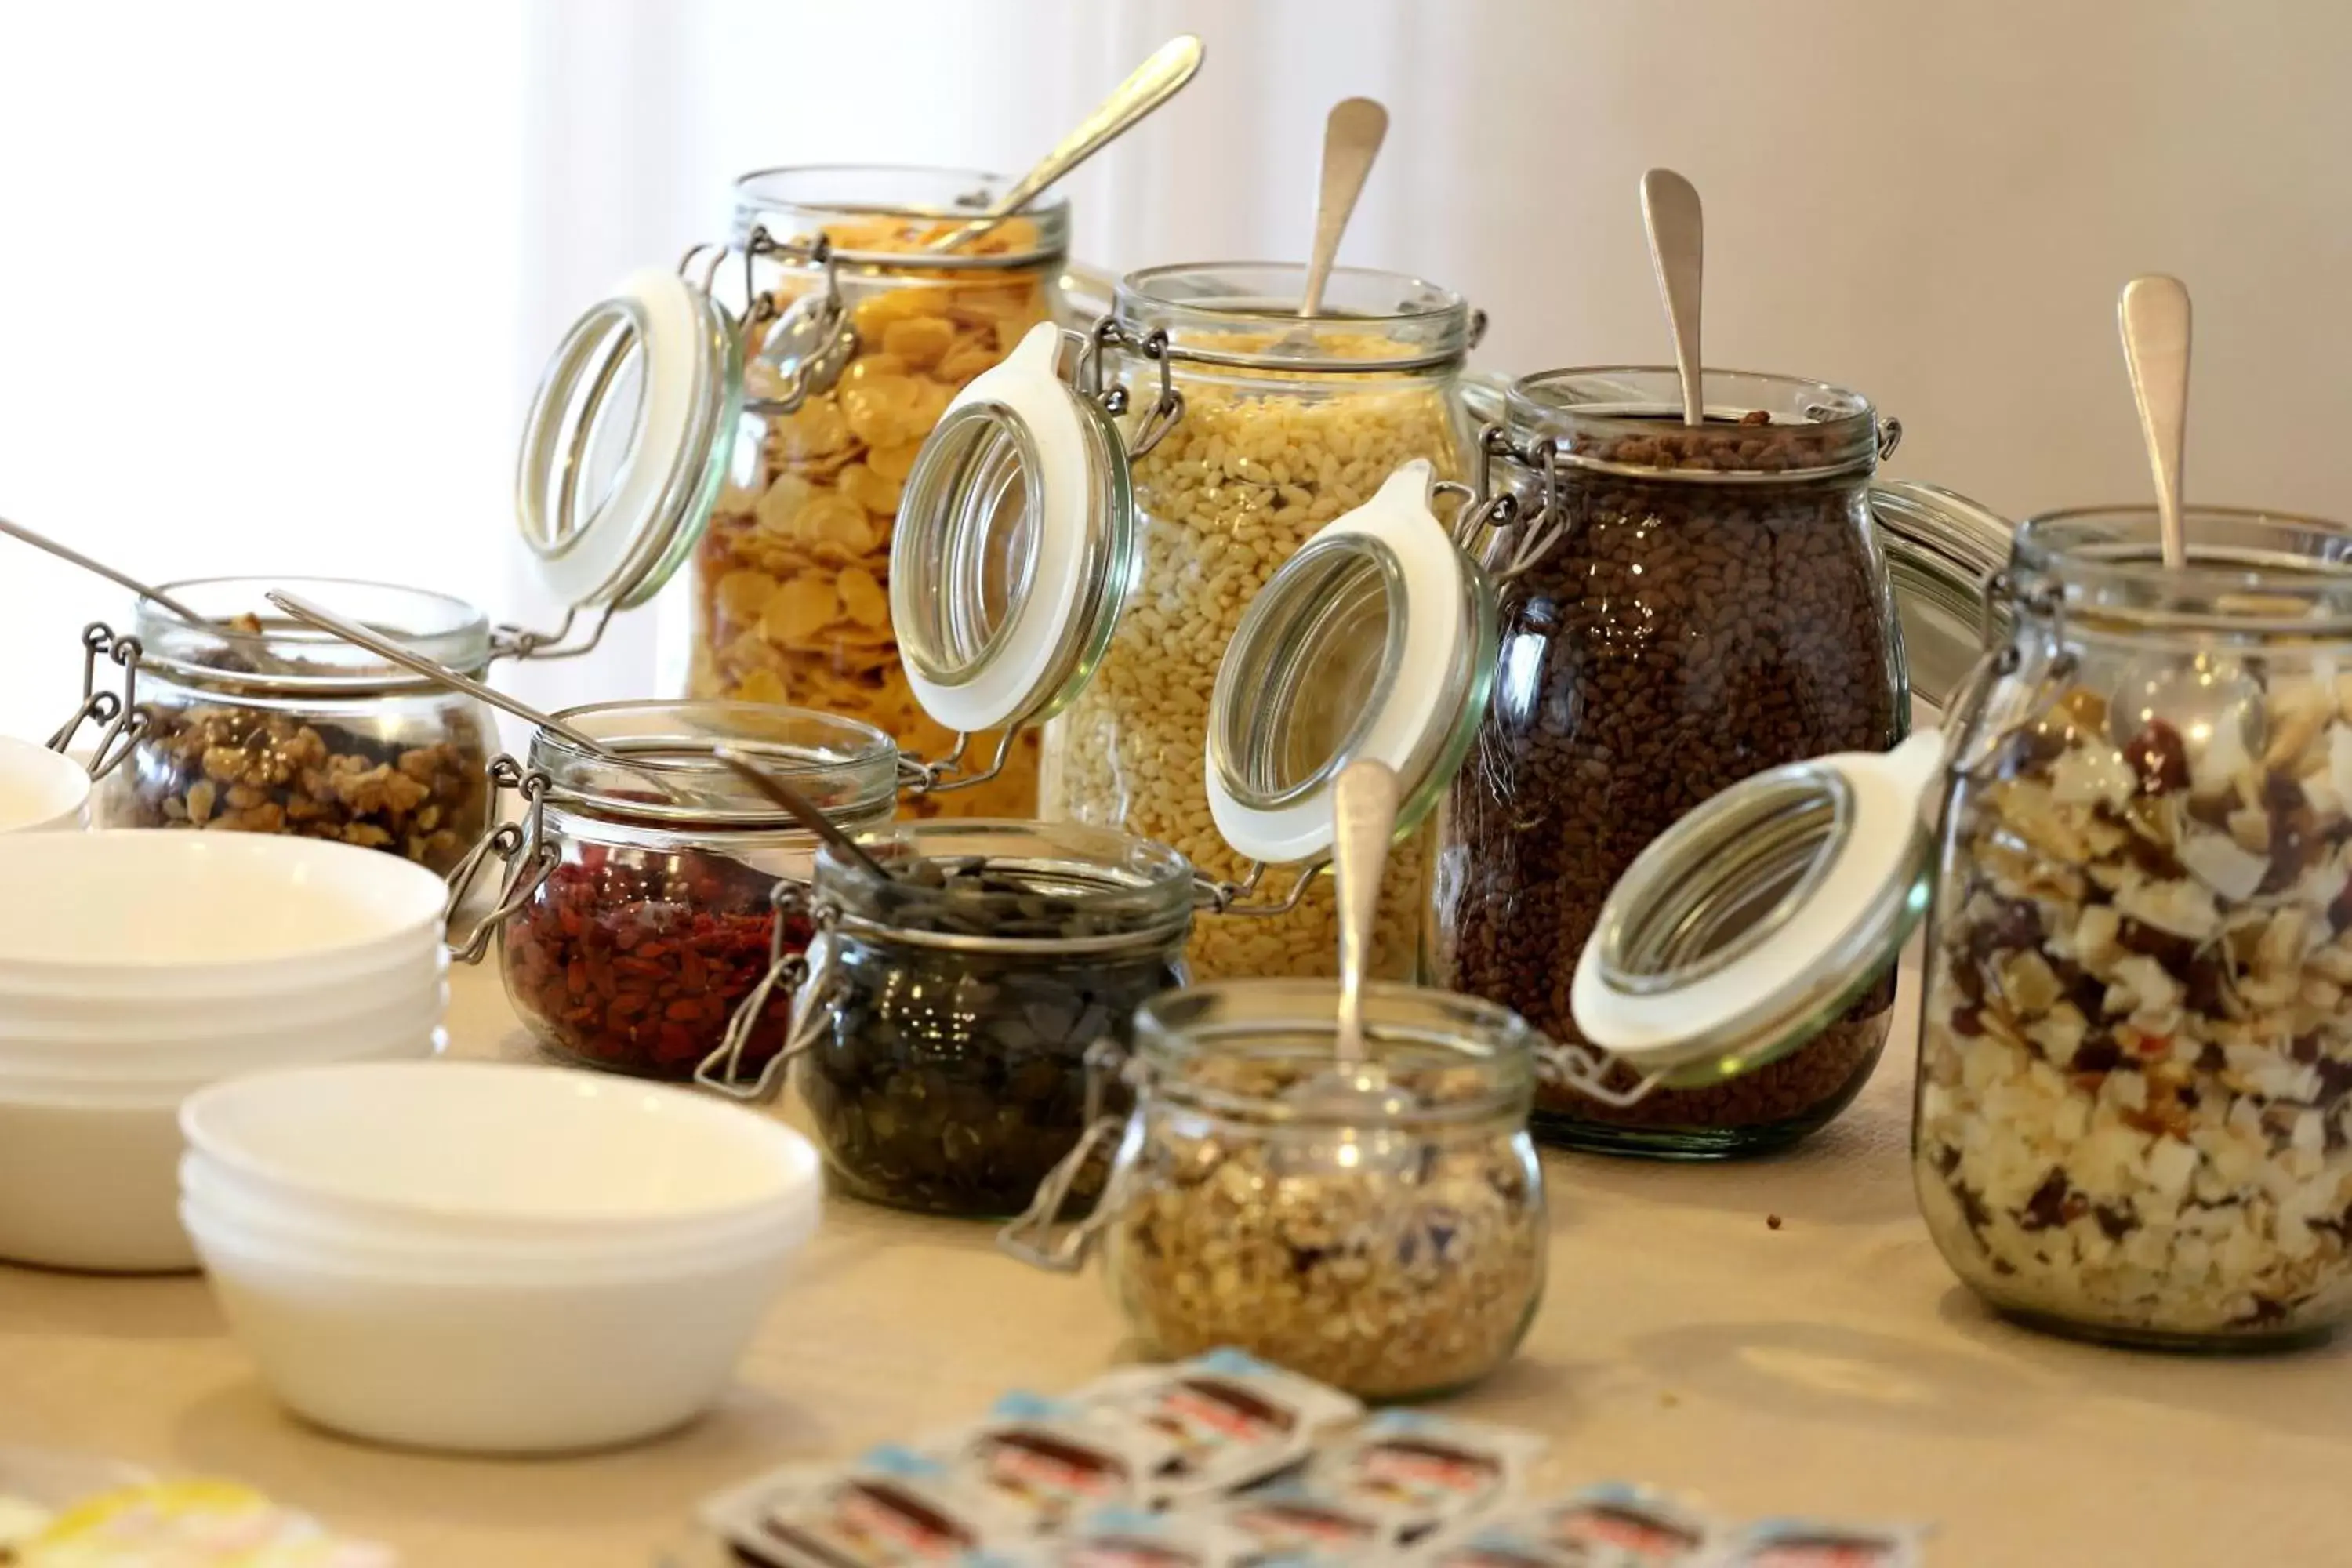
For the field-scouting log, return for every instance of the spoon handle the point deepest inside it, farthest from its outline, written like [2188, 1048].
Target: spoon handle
[1678, 231]
[66, 552]
[803, 810]
[2154, 316]
[1153, 83]
[1364, 812]
[1353, 135]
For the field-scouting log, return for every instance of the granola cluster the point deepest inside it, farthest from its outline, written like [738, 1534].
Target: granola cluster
[2135, 1070]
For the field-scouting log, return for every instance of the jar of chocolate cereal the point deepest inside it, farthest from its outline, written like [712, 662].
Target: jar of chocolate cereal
[756, 413]
[2133, 849]
[1681, 607]
[1083, 533]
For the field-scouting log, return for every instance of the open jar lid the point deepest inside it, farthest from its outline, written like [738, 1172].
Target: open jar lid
[1941, 550]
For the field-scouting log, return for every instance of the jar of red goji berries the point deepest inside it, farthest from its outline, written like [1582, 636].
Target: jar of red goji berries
[636, 918]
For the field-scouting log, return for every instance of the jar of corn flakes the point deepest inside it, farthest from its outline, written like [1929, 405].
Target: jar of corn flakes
[1083, 550]
[757, 411]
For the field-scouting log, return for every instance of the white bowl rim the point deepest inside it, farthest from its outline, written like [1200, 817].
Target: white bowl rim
[802, 1166]
[104, 1038]
[140, 993]
[49, 1091]
[398, 878]
[64, 784]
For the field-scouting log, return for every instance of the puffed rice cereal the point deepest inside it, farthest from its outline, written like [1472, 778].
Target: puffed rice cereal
[2136, 1067]
[793, 575]
[1253, 470]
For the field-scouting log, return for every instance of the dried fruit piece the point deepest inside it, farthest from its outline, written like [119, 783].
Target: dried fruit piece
[867, 603]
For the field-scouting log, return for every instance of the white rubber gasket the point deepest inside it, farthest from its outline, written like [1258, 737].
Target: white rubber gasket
[1685, 1024]
[1023, 387]
[1398, 515]
[582, 569]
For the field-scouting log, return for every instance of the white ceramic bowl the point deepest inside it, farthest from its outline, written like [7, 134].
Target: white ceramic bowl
[119, 1012]
[500, 1150]
[488, 1257]
[211, 1048]
[89, 1177]
[41, 791]
[146, 913]
[448, 1358]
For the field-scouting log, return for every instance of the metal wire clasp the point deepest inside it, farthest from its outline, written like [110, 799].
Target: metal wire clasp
[810, 979]
[1493, 524]
[524, 847]
[1167, 410]
[1037, 1236]
[121, 716]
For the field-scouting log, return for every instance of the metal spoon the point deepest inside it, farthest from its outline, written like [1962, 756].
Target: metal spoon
[123, 579]
[1364, 811]
[2153, 314]
[383, 647]
[1678, 231]
[805, 811]
[1352, 134]
[1154, 82]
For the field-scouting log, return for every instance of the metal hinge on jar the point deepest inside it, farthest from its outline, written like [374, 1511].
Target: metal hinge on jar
[1038, 1235]
[811, 986]
[121, 720]
[1494, 528]
[522, 848]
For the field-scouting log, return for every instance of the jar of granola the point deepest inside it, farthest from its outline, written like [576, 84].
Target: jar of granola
[2135, 1086]
[1396, 1252]
[1052, 565]
[758, 412]
[636, 914]
[253, 722]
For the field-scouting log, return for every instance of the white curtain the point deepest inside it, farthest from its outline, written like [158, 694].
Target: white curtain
[276, 278]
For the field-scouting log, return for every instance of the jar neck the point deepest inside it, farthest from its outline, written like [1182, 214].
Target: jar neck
[1243, 318]
[2253, 580]
[882, 218]
[1759, 430]
[248, 645]
[672, 778]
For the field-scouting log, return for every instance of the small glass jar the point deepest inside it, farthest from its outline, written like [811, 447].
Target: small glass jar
[1393, 1247]
[792, 576]
[639, 917]
[944, 1068]
[256, 723]
[2135, 1088]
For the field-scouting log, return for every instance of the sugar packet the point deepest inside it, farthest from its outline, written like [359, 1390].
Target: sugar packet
[1232, 1419]
[1047, 1460]
[1418, 1472]
[893, 1508]
[1608, 1526]
[1140, 1538]
[1809, 1543]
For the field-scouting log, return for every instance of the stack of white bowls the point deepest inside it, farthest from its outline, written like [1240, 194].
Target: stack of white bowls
[490, 1258]
[135, 968]
[40, 790]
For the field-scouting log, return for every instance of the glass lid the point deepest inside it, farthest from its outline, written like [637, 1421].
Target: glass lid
[1377, 639]
[1015, 545]
[1941, 550]
[627, 441]
[1756, 919]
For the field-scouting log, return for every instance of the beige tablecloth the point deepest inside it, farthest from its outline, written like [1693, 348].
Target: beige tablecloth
[1829, 1366]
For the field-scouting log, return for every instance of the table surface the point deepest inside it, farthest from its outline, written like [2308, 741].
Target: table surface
[1829, 1366]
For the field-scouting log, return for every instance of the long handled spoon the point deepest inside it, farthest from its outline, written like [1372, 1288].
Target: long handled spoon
[1352, 134]
[66, 552]
[1153, 83]
[1678, 231]
[2153, 315]
[805, 811]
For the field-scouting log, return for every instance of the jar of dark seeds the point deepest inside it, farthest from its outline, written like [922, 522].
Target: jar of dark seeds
[1389, 1242]
[1700, 604]
[254, 723]
[952, 1006]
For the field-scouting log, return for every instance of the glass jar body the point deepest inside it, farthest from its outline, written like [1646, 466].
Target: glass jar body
[1261, 457]
[791, 575]
[652, 926]
[1398, 1257]
[2135, 1081]
[1689, 626]
[255, 725]
[948, 1073]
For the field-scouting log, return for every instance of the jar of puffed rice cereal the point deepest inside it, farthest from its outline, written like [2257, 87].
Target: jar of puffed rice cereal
[2134, 849]
[1085, 531]
[756, 412]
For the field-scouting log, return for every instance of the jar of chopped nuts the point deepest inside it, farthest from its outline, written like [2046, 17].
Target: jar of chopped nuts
[1056, 566]
[637, 915]
[254, 723]
[1393, 1247]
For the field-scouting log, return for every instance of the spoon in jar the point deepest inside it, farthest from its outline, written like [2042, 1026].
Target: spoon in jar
[123, 579]
[1352, 134]
[1678, 231]
[440, 674]
[2208, 701]
[806, 811]
[1153, 83]
[1364, 813]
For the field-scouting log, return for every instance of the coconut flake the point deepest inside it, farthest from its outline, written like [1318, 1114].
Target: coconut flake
[2217, 861]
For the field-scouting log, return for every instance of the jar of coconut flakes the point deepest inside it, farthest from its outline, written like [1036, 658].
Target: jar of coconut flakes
[1083, 534]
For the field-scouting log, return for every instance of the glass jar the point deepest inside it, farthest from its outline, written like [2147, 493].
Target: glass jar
[944, 1068]
[1396, 1251]
[637, 918]
[256, 723]
[2135, 1084]
[1687, 607]
[792, 577]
